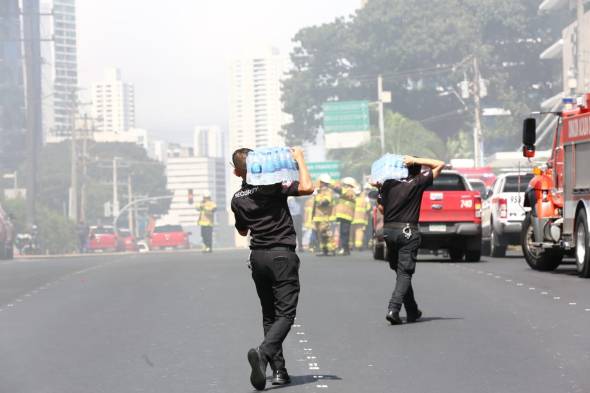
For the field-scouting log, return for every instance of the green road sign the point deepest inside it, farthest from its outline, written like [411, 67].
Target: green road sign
[332, 168]
[346, 116]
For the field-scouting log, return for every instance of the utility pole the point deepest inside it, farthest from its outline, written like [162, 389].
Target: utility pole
[115, 189]
[130, 211]
[477, 132]
[84, 157]
[74, 184]
[32, 54]
[383, 97]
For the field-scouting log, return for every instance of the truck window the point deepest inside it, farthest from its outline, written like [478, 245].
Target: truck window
[511, 183]
[448, 182]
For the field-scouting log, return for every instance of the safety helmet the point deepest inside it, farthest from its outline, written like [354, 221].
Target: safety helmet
[349, 181]
[325, 178]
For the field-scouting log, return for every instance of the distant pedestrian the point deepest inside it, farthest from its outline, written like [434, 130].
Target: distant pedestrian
[297, 213]
[83, 233]
[399, 201]
[263, 212]
[207, 221]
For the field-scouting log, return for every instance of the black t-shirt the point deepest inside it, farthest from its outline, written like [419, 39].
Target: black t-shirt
[401, 199]
[265, 212]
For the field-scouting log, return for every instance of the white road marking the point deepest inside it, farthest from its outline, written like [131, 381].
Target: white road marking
[311, 357]
[10, 305]
[587, 309]
[508, 280]
[572, 303]
[556, 298]
[321, 386]
[519, 284]
[300, 333]
[531, 289]
[544, 293]
[296, 326]
[302, 341]
[497, 277]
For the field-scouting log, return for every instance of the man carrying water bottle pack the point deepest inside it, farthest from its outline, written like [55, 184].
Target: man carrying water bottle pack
[399, 201]
[263, 212]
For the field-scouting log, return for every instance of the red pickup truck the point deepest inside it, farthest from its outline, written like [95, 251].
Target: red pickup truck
[450, 219]
[168, 236]
[102, 238]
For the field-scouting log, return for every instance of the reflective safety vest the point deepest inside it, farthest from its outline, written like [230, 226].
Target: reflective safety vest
[345, 207]
[362, 207]
[322, 206]
[206, 210]
[308, 213]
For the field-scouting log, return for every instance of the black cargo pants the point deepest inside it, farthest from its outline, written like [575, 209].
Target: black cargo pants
[402, 253]
[276, 275]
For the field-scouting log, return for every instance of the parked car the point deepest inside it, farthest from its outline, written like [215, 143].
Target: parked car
[7, 235]
[102, 238]
[503, 213]
[126, 241]
[478, 185]
[168, 237]
[450, 219]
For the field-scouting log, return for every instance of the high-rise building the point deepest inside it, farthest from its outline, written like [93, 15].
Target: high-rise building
[208, 142]
[256, 116]
[12, 93]
[60, 69]
[113, 103]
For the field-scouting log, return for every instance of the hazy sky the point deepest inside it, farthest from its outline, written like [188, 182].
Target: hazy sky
[177, 52]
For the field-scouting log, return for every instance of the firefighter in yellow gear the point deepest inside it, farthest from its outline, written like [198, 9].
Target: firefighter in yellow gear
[360, 222]
[308, 225]
[344, 212]
[322, 212]
[207, 221]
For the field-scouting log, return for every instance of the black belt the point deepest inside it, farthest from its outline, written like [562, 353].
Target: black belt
[400, 225]
[275, 248]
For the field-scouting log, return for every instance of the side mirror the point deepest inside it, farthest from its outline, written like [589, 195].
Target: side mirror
[529, 137]
[489, 193]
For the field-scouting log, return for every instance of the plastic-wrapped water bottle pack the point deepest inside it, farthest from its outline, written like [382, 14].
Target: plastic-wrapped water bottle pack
[270, 166]
[389, 167]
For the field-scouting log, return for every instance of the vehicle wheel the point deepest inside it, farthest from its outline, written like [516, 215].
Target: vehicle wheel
[582, 251]
[473, 255]
[497, 250]
[537, 258]
[456, 254]
[378, 251]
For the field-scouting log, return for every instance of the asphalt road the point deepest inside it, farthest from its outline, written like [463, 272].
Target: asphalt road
[183, 323]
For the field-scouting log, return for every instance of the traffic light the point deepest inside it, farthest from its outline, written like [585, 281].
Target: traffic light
[191, 197]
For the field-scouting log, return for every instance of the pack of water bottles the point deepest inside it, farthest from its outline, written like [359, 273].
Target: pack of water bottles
[270, 166]
[389, 167]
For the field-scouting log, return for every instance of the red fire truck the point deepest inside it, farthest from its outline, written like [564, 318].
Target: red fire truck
[559, 194]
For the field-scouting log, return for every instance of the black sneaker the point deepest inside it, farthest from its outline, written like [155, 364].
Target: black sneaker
[258, 363]
[414, 316]
[393, 318]
[281, 377]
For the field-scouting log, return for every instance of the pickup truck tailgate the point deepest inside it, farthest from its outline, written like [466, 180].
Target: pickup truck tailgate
[450, 206]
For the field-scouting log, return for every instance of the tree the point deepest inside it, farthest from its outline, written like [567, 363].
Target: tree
[148, 176]
[57, 235]
[402, 136]
[418, 47]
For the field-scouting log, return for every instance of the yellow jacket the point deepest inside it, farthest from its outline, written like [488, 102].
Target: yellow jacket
[323, 204]
[206, 213]
[362, 207]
